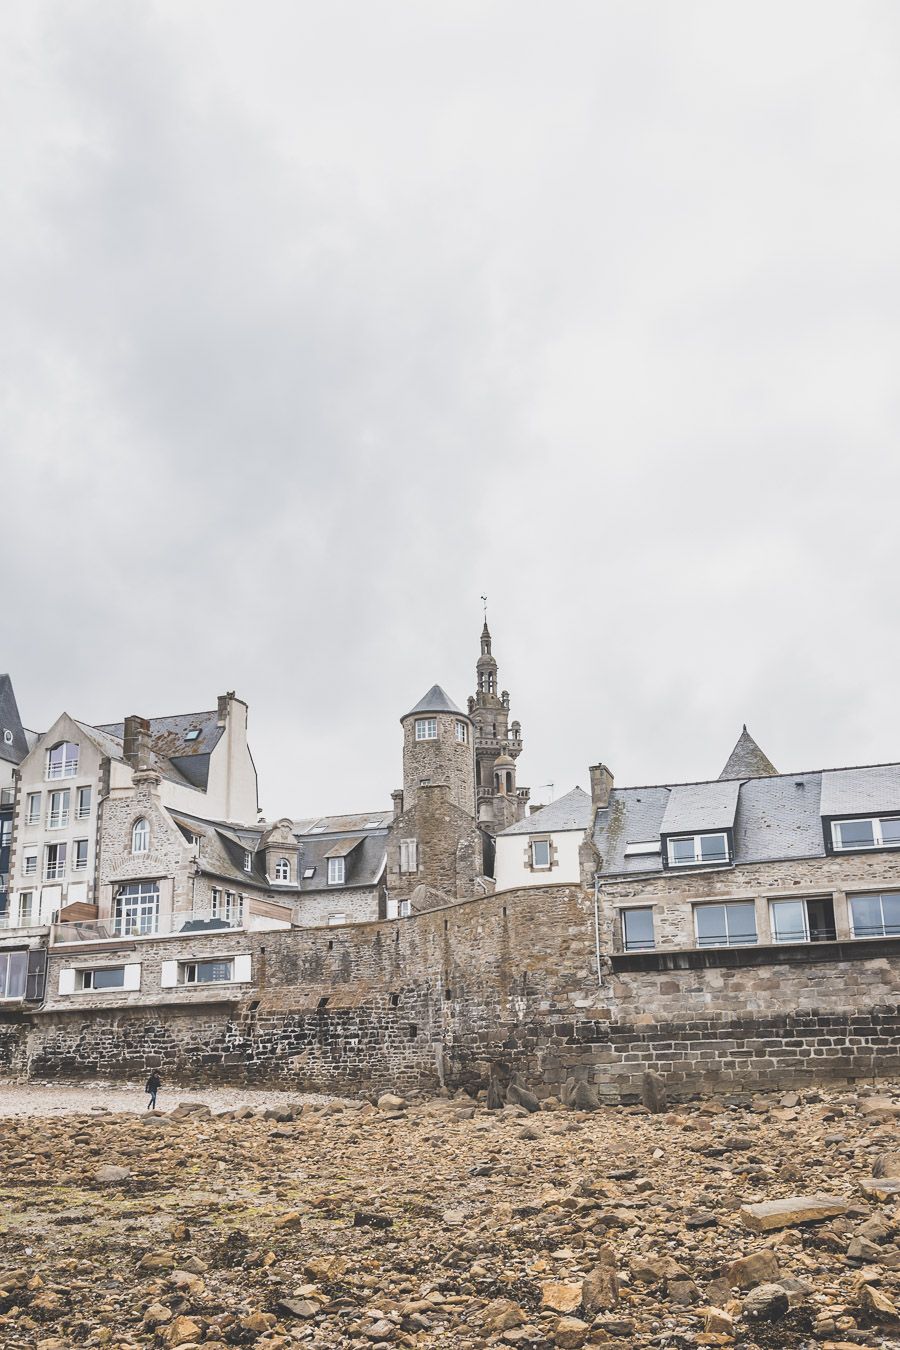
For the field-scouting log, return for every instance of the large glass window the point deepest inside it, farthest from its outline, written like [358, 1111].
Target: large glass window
[875, 915]
[137, 909]
[727, 925]
[426, 729]
[13, 971]
[873, 832]
[637, 930]
[62, 760]
[54, 862]
[698, 848]
[803, 920]
[206, 972]
[109, 977]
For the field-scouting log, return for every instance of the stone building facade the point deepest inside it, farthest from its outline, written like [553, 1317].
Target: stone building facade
[498, 744]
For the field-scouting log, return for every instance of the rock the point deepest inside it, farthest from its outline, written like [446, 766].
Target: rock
[381, 1330]
[882, 1108]
[655, 1269]
[886, 1165]
[560, 1295]
[520, 1096]
[653, 1092]
[717, 1321]
[389, 1102]
[291, 1219]
[190, 1109]
[600, 1289]
[880, 1188]
[796, 1209]
[683, 1292]
[325, 1267]
[157, 1261]
[257, 1322]
[766, 1303]
[861, 1249]
[501, 1314]
[297, 1307]
[496, 1097]
[758, 1268]
[877, 1302]
[111, 1176]
[181, 1332]
[583, 1097]
[571, 1333]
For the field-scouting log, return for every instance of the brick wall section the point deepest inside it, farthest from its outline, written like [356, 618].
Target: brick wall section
[510, 978]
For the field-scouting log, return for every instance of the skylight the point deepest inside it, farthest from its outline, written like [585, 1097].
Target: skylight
[192, 735]
[309, 872]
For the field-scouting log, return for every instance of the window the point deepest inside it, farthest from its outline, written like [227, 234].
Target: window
[26, 908]
[282, 870]
[54, 862]
[62, 760]
[637, 929]
[426, 729]
[13, 970]
[80, 848]
[540, 852]
[403, 909]
[335, 920]
[803, 920]
[5, 832]
[140, 836]
[29, 862]
[137, 909]
[248, 861]
[728, 925]
[206, 972]
[308, 872]
[875, 915]
[408, 855]
[108, 977]
[335, 871]
[58, 810]
[192, 735]
[83, 803]
[876, 832]
[647, 849]
[462, 733]
[698, 848]
[33, 808]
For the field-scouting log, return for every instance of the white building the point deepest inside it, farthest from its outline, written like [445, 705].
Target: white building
[543, 849]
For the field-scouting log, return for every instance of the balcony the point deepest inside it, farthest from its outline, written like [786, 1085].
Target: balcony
[57, 820]
[140, 927]
[7, 796]
[54, 871]
[64, 768]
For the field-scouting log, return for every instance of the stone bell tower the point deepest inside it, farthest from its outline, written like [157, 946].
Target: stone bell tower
[498, 744]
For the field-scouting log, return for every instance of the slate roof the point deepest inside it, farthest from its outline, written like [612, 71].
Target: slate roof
[15, 750]
[778, 816]
[189, 758]
[435, 701]
[700, 806]
[571, 812]
[747, 760]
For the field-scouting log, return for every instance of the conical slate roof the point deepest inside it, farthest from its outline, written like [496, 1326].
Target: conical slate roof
[435, 701]
[747, 760]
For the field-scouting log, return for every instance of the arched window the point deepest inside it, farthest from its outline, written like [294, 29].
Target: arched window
[282, 870]
[140, 836]
[62, 760]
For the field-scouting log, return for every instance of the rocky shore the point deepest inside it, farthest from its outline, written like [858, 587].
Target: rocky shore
[770, 1221]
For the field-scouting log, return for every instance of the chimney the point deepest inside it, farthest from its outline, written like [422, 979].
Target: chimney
[136, 741]
[224, 706]
[601, 785]
[397, 799]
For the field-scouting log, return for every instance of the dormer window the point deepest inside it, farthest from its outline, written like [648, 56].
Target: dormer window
[426, 728]
[140, 836]
[336, 871]
[62, 760]
[248, 861]
[282, 870]
[873, 832]
[694, 849]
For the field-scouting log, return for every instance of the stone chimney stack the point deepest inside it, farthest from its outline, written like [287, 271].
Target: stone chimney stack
[224, 707]
[136, 741]
[601, 786]
[397, 799]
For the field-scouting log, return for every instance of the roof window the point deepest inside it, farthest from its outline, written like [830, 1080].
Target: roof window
[639, 850]
[693, 849]
[192, 735]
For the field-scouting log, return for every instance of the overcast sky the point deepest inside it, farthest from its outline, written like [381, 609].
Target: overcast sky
[317, 321]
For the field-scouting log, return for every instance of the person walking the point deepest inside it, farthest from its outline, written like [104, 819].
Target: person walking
[154, 1082]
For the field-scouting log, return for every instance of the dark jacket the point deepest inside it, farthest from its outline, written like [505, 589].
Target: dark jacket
[153, 1083]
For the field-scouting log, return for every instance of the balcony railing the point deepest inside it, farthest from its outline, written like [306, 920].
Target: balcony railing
[53, 871]
[57, 819]
[140, 927]
[65, 768]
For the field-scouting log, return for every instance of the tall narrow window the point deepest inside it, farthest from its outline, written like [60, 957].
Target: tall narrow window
[83, 803]
[26, 908]
[140, 836]
[33, 808]
[540, 853]
[282, 870]
[408, 860]
[55, 862]
[637, 930]
[335, 871]
[80, 855]
[248, 861]
[58, 810]
[462, 733]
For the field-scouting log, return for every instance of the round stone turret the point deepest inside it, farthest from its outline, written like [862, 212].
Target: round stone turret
[438, 750]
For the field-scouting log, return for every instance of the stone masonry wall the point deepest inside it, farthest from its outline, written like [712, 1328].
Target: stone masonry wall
[511, 978]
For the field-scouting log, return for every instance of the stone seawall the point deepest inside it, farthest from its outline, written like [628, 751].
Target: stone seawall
[508, 979]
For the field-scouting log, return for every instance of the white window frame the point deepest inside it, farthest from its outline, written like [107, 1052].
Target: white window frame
[25, 913]
[698, 860]
[409, 855]
[30, 863]
[5, 969]
[186, 967]
[281, 867]
[804, 901]
[337, 871]
[58, 814]
[33, 808]
[140, 835]
[56, 869]
[136, 909]
[84, 979]
[426, 729]
[542, 866]
[248, 860]
[67, 766]
[870, 895]
[725, 905]
[82, 804]
[462, 732]
[642, 946]
[877, 833]
[77, 864]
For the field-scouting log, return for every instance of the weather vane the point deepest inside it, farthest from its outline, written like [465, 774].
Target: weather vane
[484, 605]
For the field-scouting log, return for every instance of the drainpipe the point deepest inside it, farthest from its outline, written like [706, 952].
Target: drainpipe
[597, 928]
